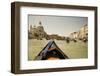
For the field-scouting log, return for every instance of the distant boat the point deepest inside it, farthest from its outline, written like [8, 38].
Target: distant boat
[51, 50]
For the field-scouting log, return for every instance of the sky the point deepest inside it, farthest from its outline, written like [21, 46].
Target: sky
[61, 25]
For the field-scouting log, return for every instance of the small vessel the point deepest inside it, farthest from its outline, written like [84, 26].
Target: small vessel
[51, 52]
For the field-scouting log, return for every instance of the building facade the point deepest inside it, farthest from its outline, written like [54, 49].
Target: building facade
[36, 32]
[81, 34]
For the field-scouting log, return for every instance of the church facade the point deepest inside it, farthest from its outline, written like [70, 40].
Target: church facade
[36, 32]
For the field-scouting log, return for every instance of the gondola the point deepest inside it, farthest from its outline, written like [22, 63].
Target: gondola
[51, 51]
